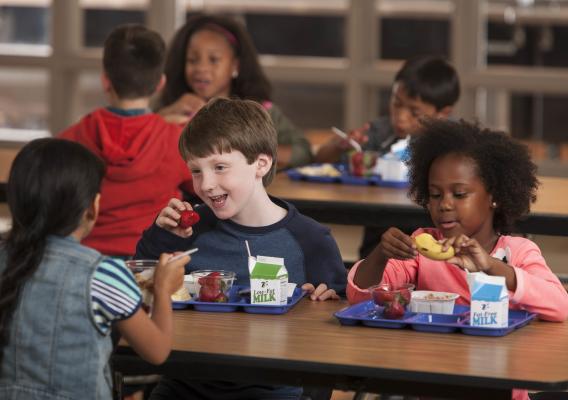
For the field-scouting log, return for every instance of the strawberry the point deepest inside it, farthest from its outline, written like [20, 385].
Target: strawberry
[404, 296]
[357, 167]
[212, 288]
[208, 293]
[382, 296]
[188, 218]
[221, 298]
[393, 310]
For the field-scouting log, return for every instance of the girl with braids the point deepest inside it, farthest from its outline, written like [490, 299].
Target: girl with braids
[475, 184]
[59, 299]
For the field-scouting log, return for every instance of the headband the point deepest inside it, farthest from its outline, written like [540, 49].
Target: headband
[225, 32]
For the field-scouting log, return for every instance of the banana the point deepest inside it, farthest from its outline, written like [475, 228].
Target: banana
[429, 247]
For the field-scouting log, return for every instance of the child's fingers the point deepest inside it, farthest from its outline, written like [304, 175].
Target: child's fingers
[329, 294]
[169, 274]
[322, 287]
[447, 243]
[401, 237]
[462, 241]
[176, 204]
[168, 217]
[308, 287]
[400, 246]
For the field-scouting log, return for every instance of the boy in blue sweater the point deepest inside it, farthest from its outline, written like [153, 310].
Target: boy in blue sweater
[230, 148]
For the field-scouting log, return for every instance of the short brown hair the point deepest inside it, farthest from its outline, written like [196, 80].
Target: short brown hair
[224, 125]
[133, 60]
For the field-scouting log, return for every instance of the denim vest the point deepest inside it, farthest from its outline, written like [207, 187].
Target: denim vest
[55, 350]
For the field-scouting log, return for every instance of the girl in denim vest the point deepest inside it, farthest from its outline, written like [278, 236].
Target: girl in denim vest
[59, 299]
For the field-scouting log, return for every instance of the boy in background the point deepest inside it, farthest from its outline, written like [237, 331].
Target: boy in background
[230, 147]
[139, 148]
[425, 87]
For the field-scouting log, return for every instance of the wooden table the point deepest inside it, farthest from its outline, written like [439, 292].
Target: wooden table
[308, 346]
[384, 207]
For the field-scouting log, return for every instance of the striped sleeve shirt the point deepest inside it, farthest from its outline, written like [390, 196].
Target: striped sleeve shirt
[115, 295]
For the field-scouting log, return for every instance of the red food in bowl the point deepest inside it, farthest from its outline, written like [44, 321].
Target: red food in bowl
[393, 299]
[214, 286]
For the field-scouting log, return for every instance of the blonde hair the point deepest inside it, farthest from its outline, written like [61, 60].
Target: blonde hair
[224, 125]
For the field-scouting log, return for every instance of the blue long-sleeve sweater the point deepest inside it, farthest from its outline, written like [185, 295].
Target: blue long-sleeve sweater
[309, 251]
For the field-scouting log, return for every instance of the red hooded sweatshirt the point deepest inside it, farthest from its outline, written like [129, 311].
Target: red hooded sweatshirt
[144, 171]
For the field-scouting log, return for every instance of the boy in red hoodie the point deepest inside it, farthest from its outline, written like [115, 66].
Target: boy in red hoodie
[140, 149]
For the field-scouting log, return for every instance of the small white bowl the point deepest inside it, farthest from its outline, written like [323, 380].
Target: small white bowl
[431, 302]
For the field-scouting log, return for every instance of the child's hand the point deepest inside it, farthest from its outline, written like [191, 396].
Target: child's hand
[470, 255]
[358, 134]
[189, 104]
[169, 217]
[168, 276]
[396, 244]
[320, 293]
[183, 109]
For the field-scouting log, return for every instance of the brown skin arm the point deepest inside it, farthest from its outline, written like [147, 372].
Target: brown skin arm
[394, 244]
[330, 151]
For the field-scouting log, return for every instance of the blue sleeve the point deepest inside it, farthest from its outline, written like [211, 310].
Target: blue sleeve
[156, 240]
[323, 262]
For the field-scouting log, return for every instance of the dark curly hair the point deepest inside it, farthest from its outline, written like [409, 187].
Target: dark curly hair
[504, 165]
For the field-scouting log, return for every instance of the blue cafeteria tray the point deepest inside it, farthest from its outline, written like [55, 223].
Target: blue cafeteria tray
[240, 302]
[344, 178]
[368, 314]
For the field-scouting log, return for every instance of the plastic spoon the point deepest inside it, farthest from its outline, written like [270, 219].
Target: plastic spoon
[345, 136]
[180, 255]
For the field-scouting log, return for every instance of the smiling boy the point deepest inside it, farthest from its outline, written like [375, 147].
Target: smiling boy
[230, 148]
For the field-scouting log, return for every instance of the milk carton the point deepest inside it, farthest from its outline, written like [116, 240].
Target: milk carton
[268, 280]
[489, 300]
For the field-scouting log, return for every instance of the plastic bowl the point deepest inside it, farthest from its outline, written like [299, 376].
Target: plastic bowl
[431, 302]
[362, 163]
[384, 293]
[212, 285]
[190, 285]
[143, 271]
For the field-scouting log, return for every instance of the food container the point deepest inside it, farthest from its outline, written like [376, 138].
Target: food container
[362, 163]
[428, 301]
[190, 285]
[212, 285]
[143, 271]
[393, 299]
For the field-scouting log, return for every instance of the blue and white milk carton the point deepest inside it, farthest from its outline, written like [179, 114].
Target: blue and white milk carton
[268, 280]
[489, 300]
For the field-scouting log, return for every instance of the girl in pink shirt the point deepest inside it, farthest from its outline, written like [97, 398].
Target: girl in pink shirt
[475, 184]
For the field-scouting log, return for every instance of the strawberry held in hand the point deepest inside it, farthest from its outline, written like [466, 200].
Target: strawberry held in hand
[188, 218]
